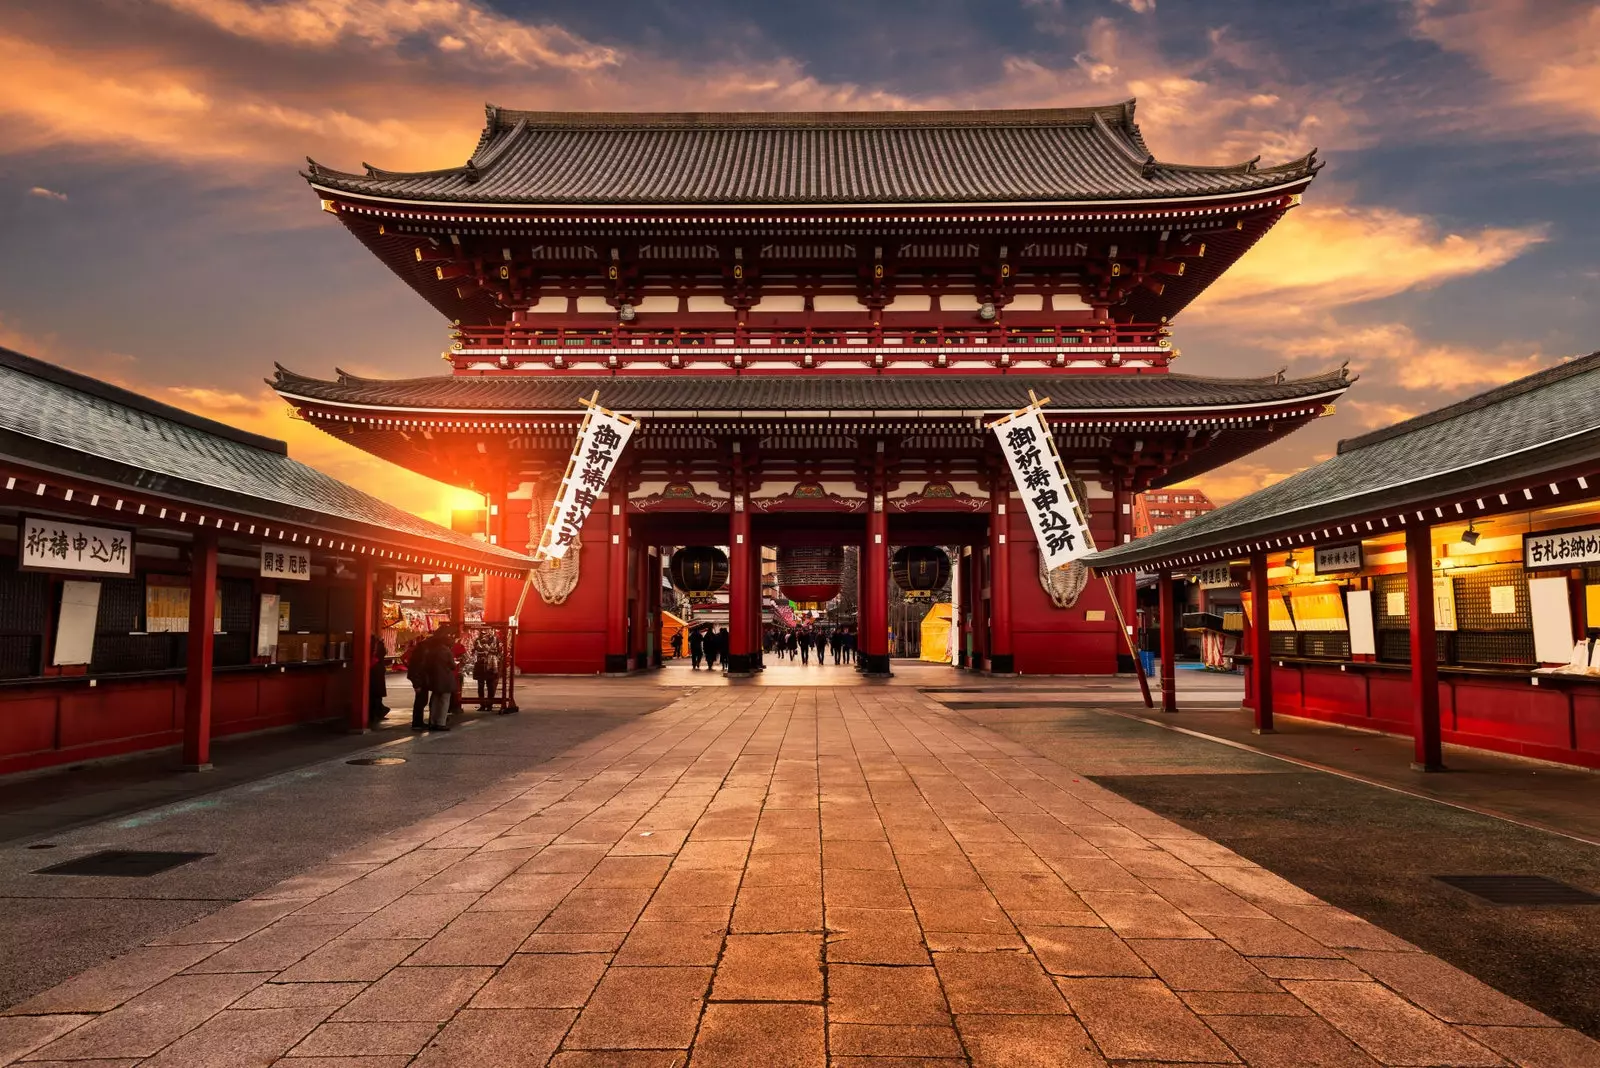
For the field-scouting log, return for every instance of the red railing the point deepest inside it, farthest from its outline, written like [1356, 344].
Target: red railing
[620, 336]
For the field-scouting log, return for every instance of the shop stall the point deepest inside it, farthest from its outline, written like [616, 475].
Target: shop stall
[166, 579]
[1439, 578]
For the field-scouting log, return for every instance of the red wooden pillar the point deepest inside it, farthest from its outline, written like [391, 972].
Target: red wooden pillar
[1125, 587]
[740, 596]
[617, 584]
[361, 646]
[875, 589]
[980, 609]
[757, 602]
[639, 607]
[1261, 642]
[1169, 645]
[1428, 751]
[458, 600]
[1001, 660]
[202, 646]
[653, 601]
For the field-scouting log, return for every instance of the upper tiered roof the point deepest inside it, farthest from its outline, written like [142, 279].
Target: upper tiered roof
[836, 158]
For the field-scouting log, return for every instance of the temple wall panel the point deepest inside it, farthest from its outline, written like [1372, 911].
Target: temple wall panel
[1047, 640]
[570, 638]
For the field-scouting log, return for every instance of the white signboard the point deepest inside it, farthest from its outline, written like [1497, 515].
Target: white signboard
[408, 584]
[1216, 577]
[1561, 548]
[1046, 494]
[1332, 559]
[601, 439]
[1363, 641]
[1552, 620]
[281, 562]
[267, 625]
[1444, 603]
[1502, 600]
[56, 545]
[80, 608]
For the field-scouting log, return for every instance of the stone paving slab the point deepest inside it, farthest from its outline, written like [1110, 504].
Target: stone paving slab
[784, 876]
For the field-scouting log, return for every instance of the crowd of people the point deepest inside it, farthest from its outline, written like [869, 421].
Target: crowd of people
[437, 666]
[711, 646]
[802, 642]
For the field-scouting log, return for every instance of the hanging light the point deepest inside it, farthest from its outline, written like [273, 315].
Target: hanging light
[1470, 536]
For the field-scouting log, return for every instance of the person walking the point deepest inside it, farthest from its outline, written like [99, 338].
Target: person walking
[822, 644]
[677, 644]
[805, 648]
[442, 677]
[697, 648]
[486, 654]
[416, 660]
[836, 645]
[723, 645]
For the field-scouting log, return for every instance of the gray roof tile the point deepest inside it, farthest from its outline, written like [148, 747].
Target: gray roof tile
[79, 425]
[1543, 422]
[754, 158]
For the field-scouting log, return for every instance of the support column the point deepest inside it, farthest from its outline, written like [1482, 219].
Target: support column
[740, 595]
[1125, 587]
[202, 647]
[617, 584]
[1001, 660]
[980, 611]
[361, 647]
[653, 601]
[1428, 752]
[1169, 645]
[1261, 642]
[757, 602]
[458, 600]
[875, 590]
[639, 605]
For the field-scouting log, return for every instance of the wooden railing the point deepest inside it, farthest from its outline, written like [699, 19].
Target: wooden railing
[518, 336]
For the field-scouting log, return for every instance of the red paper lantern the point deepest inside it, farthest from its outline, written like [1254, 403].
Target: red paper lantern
[810, 574]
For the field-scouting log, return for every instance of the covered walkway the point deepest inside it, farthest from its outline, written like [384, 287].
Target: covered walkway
[771, 876]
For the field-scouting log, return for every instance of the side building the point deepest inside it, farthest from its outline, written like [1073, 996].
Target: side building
[166, 579]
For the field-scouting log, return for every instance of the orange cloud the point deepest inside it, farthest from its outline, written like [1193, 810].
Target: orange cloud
[1543, 51]
[1325, 256]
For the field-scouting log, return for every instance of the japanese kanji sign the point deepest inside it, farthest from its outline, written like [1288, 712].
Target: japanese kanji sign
[601, 439]
[1216, 577]
[1331, 559]
[54, 545]
[281, 562]
[1561, 548]
[1052, 507]
[408, 584]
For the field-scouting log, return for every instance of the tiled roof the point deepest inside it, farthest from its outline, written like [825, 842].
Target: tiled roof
[730, 395]
[54, 418]
[1544, 422]
[846, 158]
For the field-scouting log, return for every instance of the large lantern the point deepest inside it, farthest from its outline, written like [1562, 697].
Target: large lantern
[920, 570]
[811, 574]
[698, 570]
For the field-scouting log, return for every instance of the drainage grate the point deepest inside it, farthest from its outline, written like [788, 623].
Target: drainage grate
[377, 762]
[121, 862]
[1520, 889]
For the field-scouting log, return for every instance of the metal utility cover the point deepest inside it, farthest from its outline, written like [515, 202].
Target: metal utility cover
[126, 863]
[1520, 889]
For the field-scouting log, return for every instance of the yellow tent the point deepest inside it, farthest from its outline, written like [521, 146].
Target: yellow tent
[670, 625]
[936, 634]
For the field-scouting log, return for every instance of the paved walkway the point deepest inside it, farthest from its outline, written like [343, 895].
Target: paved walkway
[784, 876]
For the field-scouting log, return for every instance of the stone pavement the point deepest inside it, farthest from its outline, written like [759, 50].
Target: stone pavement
[784, 876]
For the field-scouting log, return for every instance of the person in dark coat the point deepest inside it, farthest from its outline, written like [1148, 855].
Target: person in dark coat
[418, 674]
[697, 647]
[677, 644]
[723, 645]
[822, 645]
[805, 648]
[836, 644]
[442, 679]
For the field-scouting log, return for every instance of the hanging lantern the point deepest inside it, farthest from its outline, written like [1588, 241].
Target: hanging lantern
[811, 574]
[698, 570]
[920, 570]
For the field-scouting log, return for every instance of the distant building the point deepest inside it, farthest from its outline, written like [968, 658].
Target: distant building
[1155, 510]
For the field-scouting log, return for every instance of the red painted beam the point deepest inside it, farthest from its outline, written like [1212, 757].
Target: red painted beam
[1428, 750]
[202, 647]
[1169, 644]
[1261, 642]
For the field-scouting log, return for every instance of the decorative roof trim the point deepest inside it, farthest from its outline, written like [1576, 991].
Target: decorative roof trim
[908, 207]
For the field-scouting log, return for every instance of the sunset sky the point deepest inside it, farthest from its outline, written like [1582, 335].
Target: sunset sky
[153, 230]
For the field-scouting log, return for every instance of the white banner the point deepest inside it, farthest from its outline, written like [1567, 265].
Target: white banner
[284, 563]
[408, 585]
[601, 439]
[55, 545]
[1047, 495]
